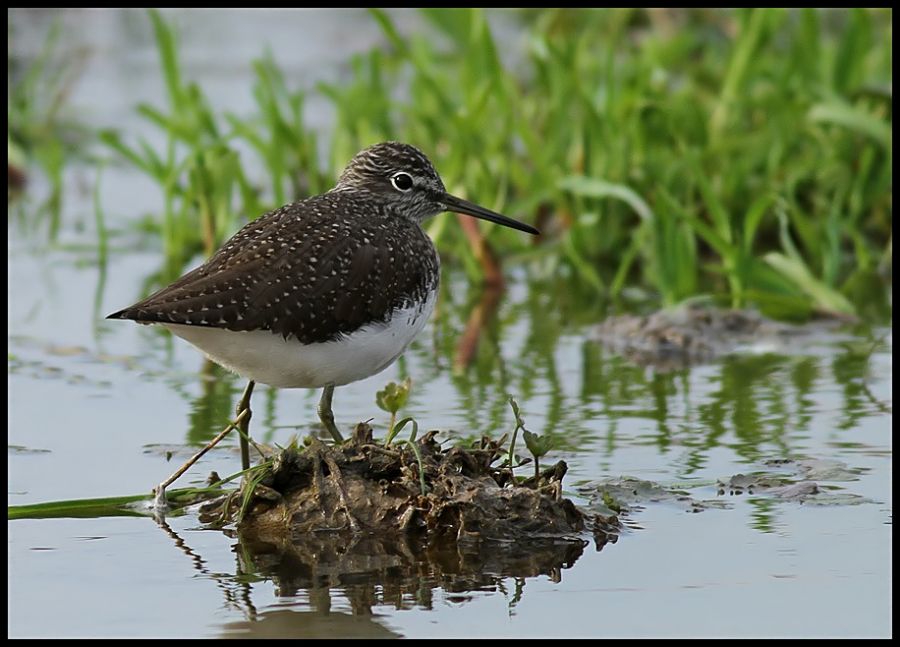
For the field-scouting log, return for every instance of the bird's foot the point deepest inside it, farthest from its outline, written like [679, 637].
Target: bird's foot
[160, 502]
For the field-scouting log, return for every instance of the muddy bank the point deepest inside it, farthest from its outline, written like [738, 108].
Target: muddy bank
[420, 491]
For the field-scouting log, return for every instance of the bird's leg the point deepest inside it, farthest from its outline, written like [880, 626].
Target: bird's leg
[326, 416]
[244, 428]
[160, 503]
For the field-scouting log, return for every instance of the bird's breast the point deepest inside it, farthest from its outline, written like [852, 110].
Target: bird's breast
[272, 359]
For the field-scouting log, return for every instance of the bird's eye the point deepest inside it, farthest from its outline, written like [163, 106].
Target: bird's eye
[402, 181]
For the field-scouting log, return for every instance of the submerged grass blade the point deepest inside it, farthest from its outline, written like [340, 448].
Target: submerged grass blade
[121, 506]
[79, 508]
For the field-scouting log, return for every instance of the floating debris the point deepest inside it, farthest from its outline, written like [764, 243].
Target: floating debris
[693, 333]
[626, 495]
[21, 449]
[804, 480]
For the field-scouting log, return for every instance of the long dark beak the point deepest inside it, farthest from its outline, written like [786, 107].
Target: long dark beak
[470, 209]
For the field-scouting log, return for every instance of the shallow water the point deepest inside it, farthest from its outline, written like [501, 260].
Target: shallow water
[94, 406]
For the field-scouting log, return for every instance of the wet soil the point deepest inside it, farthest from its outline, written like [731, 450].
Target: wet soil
[427, 494]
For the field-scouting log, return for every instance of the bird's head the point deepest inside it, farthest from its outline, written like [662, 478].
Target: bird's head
[402, 177]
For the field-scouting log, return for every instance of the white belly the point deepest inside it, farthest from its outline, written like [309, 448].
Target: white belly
[270, 359]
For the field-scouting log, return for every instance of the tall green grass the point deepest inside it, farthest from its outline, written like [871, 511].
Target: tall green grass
[40, 135]
[743, 154]
[207, 192]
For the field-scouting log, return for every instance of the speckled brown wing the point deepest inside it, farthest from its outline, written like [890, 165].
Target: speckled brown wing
[304, 272]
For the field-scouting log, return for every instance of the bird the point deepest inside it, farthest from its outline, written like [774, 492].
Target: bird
[321, 292]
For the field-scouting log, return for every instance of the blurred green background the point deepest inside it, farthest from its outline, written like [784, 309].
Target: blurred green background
[739, 155]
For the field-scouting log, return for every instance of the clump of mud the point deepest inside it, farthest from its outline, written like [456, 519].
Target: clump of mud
[444, 494]
[694, 333]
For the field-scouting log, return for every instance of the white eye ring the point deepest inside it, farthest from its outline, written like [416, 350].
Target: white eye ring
[402, 181]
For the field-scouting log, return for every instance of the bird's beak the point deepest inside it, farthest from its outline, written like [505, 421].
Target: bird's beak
[452, 203]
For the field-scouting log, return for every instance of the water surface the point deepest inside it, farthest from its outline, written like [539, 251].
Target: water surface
[94, 407]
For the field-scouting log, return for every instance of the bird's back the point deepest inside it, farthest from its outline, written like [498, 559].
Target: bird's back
[315, 270]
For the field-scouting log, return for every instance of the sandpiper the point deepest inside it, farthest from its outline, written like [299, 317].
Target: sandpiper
[322, 292]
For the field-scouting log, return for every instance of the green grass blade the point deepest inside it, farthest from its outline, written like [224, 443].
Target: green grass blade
[389, 29]
[855, 119]
[100, 222]
[79, 508]
[826, 298]
[121, 506]
[596, 188]
[748, 42]
[167, 45]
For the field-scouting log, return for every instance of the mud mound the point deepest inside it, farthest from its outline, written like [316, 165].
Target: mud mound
[364, 487]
